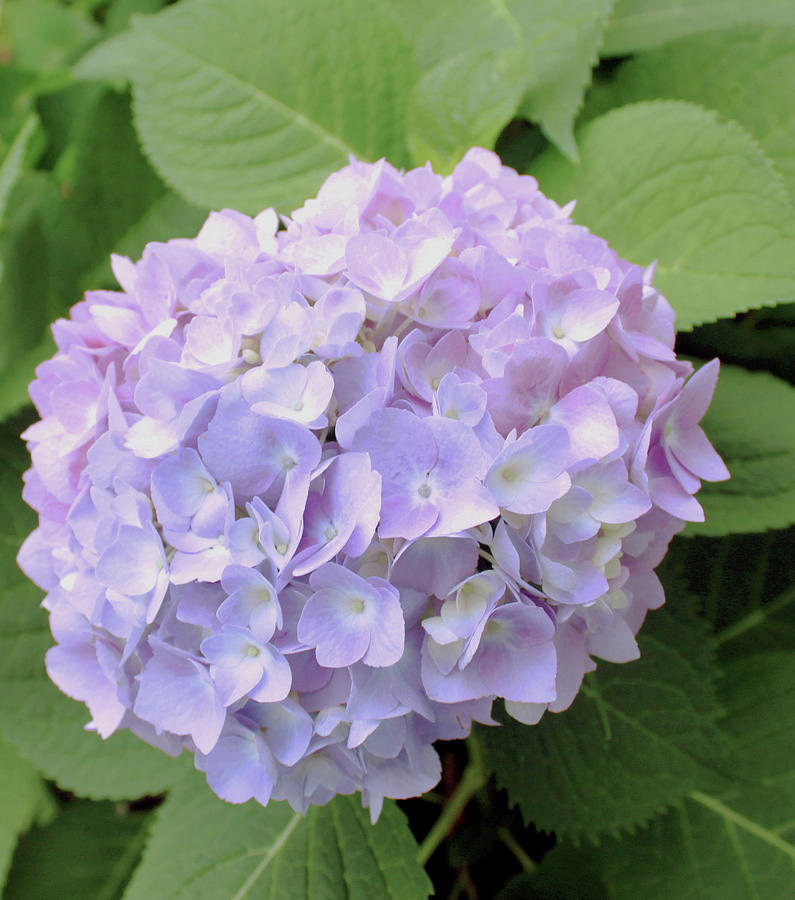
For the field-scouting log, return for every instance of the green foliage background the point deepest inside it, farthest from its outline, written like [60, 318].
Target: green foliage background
[673, 126]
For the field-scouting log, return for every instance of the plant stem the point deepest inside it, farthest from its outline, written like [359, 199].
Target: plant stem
[515, 847]
[473, 779]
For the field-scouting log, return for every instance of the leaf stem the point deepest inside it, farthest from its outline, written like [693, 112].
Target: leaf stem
[474, 777]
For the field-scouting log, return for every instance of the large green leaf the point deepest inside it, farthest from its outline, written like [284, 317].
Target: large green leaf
[113, 60]
[16, 100]
[744, 581]
[639, 24]
[64, 112]
[638, 737]
[571, 35]
[113, 186]
[44, 725]
[29, 277]
[751, 423]
[763, 339]
[667, 180]
[20, 325]
[116, 199]
[203, 847]
[461, 102]
[44, 35]
[120, 11]
[20, 155]
[738, 843]
[87, 853]
[25, 800]
[749, 78]
[483, 63]
[254, 103]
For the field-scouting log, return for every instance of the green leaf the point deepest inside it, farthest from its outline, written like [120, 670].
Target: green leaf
[563, 58]
[247, 851]
[21, 155]
[116, 199]
[748, 79]
[168, 217]
[758, 692]
[254, 103]
[567, 871]
[25, 801]
[114, 187]
[640, 24]
[27, 274]
[46, 727]
[744, 636]
[667, 180]
[88, 851]
[744, 580]
[14, 379]
[113, 60]
[64, 113]
[44, 35]
[16, 99]
[638, 737]
[763, 339]
[446, 120]
[120, 11]
[737, 843]
[485, 62]
[751, 423]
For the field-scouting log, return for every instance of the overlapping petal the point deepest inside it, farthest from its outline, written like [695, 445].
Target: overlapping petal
[313, 498]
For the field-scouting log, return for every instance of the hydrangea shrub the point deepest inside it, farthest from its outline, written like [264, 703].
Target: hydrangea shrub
[313, 497]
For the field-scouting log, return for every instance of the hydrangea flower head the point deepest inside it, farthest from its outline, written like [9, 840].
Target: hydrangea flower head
[312, 497]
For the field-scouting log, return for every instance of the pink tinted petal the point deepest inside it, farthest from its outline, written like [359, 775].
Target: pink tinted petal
[590, 422]
[668, 494]
[587, 313]
[376, 264]
[691, 405]
[694, 451]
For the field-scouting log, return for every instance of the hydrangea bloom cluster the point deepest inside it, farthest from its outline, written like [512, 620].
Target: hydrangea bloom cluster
[311, 498]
